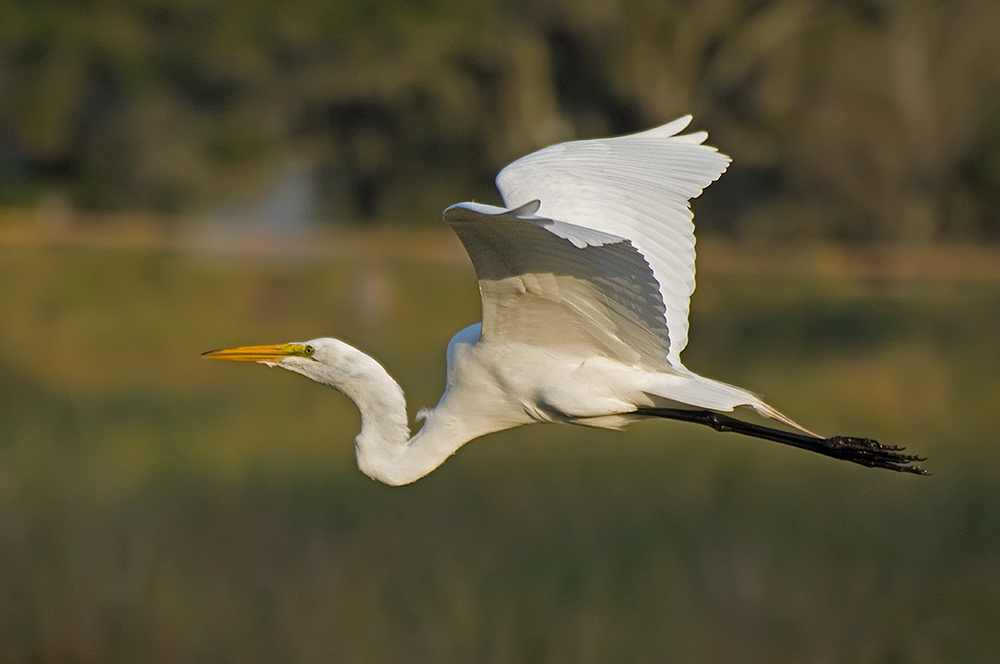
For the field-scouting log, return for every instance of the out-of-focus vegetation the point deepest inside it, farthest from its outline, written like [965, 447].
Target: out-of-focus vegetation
[156, 507]
[860, 119]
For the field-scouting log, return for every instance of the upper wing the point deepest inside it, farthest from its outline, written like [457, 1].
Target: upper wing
[636, 187]
[555, 285]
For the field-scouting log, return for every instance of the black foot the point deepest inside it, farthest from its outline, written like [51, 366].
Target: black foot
[864, 451]
[873, 454]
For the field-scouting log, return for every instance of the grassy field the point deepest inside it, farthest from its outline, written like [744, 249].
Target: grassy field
[155, 507]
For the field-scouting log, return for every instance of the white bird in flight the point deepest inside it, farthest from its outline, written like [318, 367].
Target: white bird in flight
[585, 278]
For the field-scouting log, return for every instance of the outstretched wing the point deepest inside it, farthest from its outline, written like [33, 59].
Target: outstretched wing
[635, 187]
[550, 284]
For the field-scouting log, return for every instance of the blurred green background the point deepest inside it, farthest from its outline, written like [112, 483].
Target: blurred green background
[180, 176]
[857, 119]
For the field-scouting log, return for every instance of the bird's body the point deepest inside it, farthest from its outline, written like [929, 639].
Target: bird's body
[585, 278]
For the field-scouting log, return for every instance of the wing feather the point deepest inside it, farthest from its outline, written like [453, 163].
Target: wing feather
[635, 187]
[550, 284]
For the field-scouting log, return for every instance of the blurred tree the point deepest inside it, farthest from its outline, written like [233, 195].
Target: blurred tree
[859, 119]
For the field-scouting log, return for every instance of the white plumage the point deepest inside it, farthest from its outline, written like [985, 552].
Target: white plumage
[586, 277]
[634, 187]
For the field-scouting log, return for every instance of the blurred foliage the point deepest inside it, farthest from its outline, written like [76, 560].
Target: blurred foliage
[156, 507]
[860, 119]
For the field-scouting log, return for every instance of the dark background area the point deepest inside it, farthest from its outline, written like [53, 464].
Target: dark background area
[864, 119]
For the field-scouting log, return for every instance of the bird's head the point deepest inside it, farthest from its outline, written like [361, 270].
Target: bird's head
[325, 360]
[344, 368]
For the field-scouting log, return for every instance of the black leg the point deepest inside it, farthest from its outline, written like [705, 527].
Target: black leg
[863, 451]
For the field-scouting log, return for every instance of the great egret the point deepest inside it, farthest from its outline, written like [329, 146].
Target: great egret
[585, 279]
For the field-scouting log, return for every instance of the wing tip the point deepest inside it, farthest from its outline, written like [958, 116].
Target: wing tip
[680, 124]
[671, 129]
[470, 211]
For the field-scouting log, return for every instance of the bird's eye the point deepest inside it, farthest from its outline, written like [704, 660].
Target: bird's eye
[309, 350]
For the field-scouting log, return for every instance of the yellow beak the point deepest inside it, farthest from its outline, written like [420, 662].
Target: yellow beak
[268, 353]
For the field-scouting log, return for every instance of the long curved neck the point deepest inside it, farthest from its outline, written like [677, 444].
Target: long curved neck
[384, 448]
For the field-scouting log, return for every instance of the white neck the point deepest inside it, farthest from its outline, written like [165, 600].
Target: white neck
[384, 448]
